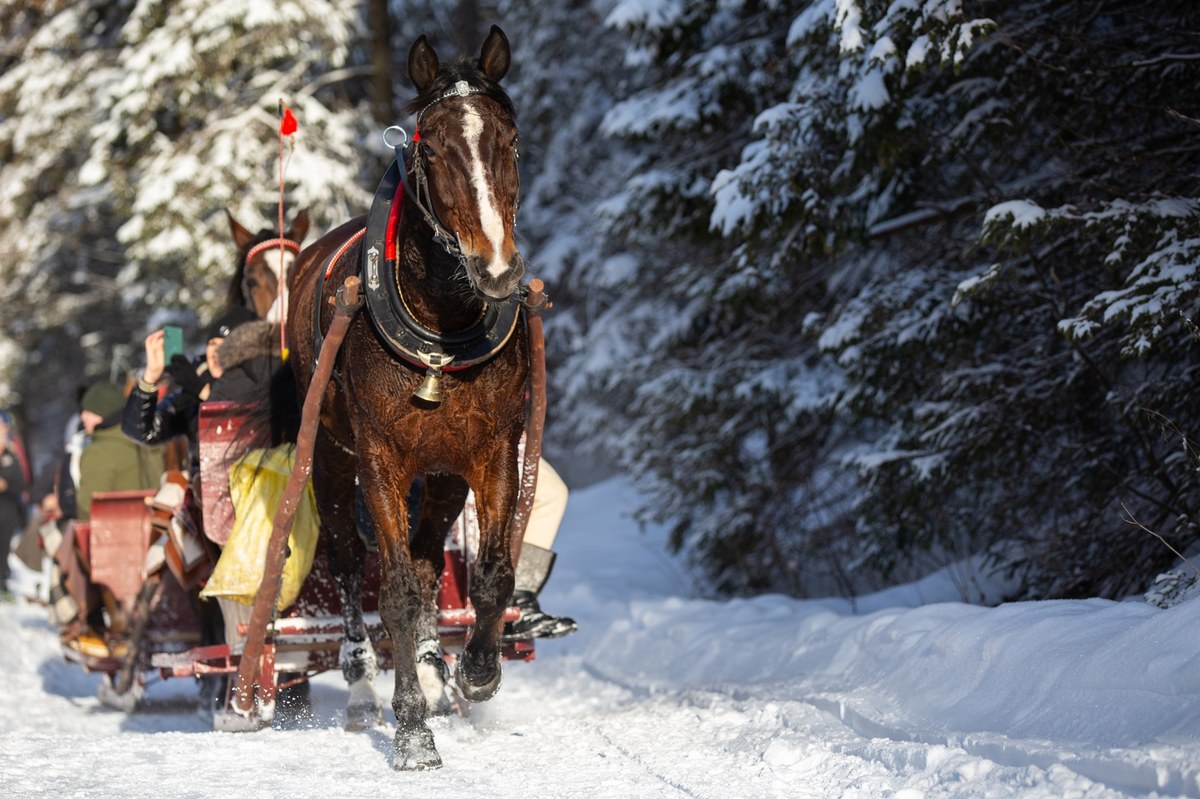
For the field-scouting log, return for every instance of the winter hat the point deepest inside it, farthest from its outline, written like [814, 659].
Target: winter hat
[231, 318]
[104, 399]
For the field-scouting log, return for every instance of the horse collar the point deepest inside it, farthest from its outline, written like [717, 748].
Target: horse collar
[420, 346]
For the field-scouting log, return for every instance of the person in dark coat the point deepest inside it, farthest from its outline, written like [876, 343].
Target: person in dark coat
[153, 421]
[246, 358]
[12, 502]
[218, 376]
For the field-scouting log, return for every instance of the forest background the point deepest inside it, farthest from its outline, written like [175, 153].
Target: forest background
[851, 289]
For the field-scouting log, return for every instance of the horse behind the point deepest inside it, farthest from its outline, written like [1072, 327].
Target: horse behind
[453, 265]
[264, 258]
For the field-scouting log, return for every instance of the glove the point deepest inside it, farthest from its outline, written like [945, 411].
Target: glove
[184, 375]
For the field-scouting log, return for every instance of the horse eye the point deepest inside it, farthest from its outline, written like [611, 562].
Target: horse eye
[428, 151]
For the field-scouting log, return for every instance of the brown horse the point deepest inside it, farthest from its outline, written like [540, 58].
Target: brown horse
[263, 258]
[441, 284]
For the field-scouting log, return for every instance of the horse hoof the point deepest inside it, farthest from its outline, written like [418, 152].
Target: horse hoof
[415, 751]
[478, 685]
[363, 710]
[363, 717]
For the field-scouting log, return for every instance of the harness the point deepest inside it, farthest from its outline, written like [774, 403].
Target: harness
[406, 337]
[272, 244]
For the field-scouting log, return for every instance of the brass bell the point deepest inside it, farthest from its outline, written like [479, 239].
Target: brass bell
[430, 389]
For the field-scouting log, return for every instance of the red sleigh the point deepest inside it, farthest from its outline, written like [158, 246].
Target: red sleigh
[303, 641]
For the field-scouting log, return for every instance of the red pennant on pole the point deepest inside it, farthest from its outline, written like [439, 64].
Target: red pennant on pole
[288, 125]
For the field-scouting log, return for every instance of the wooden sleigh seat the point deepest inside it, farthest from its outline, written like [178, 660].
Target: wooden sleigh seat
[113, 545]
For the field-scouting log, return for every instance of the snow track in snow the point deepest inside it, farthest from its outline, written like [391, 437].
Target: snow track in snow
[815, 746]
[665, 696]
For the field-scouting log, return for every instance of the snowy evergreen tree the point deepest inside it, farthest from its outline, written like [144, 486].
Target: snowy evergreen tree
[723, 412]
[1023, 400]
[127, 129]
[849, 286]
[912, 280]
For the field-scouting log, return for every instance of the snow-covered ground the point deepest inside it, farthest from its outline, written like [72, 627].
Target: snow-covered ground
[661, 694]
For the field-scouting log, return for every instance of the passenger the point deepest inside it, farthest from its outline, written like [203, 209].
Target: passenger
[537, 560]
[147, 418]
[12, 502]
[59, 508]
[246, 359]
[151, 421]
[59, 502]
[109, 462]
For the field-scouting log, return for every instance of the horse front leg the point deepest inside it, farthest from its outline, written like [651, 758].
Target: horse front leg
[346, 557]
[357, 658]
[495, 484]
[399, 604]
[442, 500]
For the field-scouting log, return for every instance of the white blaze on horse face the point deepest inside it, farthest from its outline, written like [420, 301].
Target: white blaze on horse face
[278, 261]
[489, 218]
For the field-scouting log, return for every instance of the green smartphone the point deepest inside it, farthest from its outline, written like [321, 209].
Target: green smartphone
[172, 342]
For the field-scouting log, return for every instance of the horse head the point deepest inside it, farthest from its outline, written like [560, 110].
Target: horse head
[264, 258]
[465, 161]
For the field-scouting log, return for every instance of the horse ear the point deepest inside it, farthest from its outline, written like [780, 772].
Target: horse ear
[496, 55]
[299, 228]
[422, 64]
[241, 236]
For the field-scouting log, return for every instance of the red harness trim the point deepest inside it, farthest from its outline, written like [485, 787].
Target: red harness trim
[271, 244]
[337, 256]
[393, 222]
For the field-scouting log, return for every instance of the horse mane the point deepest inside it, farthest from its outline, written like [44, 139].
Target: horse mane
[464, 69]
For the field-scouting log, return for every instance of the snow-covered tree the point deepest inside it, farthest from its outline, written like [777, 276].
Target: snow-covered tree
[1027, 343]
[696, 369]
[128, 127]
[911, 277]
[846, 284]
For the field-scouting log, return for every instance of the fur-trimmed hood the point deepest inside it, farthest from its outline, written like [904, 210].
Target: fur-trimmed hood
[248, 341]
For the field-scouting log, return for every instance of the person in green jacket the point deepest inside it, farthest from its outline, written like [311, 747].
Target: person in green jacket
[111, 461]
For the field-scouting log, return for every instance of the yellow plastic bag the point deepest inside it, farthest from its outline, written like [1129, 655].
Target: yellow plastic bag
[256, 484]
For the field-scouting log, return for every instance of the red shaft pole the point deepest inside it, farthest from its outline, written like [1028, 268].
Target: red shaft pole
[249, 667]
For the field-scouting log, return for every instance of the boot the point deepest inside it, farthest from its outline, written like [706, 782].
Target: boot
[533, 570]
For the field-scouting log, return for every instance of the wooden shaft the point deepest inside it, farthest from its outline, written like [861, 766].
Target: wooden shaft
[535, 423]
[268, 592]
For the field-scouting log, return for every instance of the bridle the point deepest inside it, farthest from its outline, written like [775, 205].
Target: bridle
[271, 244]
[433, 351]
[280, 244]
[416, 161]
